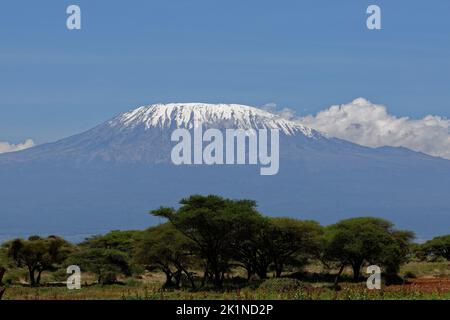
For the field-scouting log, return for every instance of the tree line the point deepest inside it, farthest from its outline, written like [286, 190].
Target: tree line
[208, 238]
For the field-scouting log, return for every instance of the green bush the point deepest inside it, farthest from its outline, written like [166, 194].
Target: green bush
[15, 275]
[280, 285]
[108, 277]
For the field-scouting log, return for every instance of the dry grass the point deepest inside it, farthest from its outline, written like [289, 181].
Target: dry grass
[420, 289]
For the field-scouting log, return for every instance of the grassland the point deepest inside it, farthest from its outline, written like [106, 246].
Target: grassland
[423, 280]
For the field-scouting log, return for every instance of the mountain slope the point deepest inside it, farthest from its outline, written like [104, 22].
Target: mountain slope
[110, 176]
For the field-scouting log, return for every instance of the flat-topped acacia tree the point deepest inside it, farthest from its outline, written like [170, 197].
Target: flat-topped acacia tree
[38, 254]
[437, 247]
[215, 225]
[165, 248]
[365, 240]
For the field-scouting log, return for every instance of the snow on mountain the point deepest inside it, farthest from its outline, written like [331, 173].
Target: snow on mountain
[183, 115]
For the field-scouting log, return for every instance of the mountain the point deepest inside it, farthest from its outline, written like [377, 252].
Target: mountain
[143, 135]
[110, 176]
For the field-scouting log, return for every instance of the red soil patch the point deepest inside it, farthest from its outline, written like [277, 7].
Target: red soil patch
[429, 285]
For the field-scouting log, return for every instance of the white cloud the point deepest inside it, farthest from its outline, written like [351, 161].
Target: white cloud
[368, 124]
[270, 106]
[8, 147]
[285, 113]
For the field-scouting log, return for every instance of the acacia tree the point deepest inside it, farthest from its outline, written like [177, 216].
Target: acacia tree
[437, 247]
[396, 251]
[38, 254]
[251, 251]
[115, 246]
[213, 224]
[293, 241]
[356, 241]
[278, 242]
[165, 248]
[107, 255]
[107, 264]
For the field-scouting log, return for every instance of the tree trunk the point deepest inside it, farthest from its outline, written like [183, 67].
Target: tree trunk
[205, 275]
[278, 270]
[169, 275]
[178, 278]
[32, 278]
[191, 279]
[218, 279]
[38, 279]
[356, 271]
[262, 273]
[249, 272]
[336, 280]
[188, 274]
[2, 273]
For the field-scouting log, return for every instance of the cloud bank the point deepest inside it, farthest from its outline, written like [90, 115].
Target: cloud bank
[8, 147]
[369, 124]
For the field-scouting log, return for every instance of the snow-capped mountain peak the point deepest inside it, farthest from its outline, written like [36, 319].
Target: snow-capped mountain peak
[184, 115]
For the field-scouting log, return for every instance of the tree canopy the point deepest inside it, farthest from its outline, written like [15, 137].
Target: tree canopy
[438, 247]
[107, 264]
[278, 242]
[214, 224]
[38, 254]
[165, 248]
[362, 240]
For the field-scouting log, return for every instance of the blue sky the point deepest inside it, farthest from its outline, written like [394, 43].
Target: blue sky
[305, 55]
